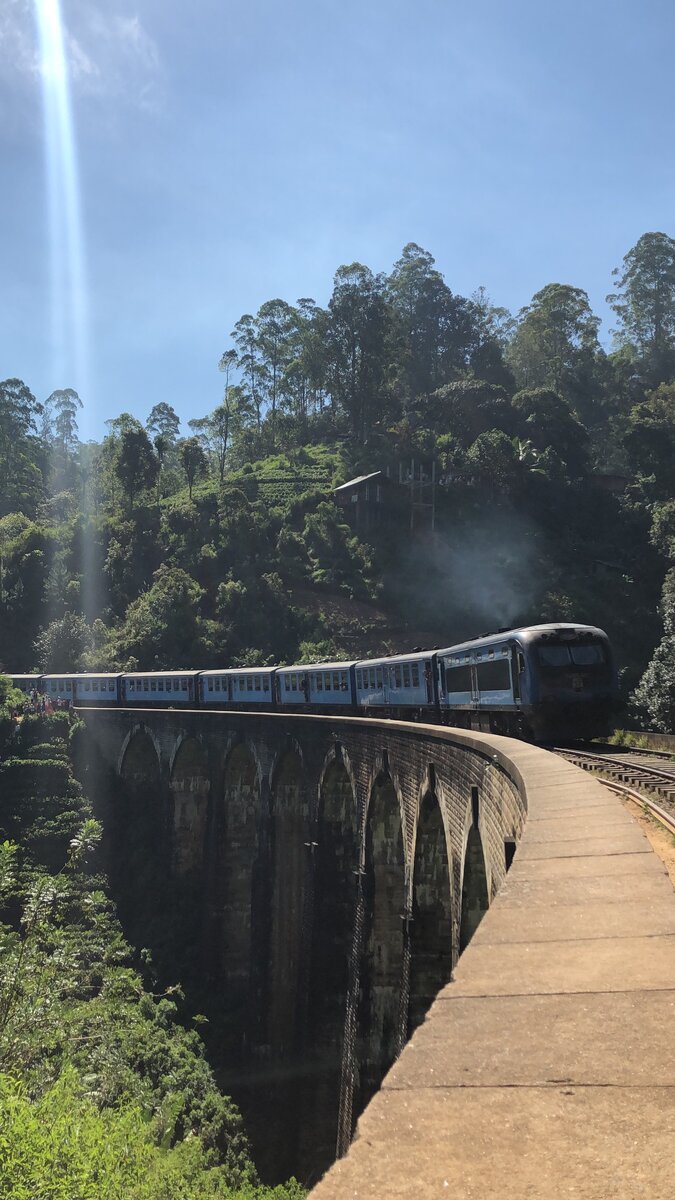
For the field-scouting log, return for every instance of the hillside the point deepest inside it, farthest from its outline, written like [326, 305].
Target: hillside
[553, 468]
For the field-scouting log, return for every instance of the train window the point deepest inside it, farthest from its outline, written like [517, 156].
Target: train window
[87, 685]
[397, 677]
[153, 685]
[414, 675]
[491, 653]
[494, 676]
[406, 676]
[587, 656]
[94, 685]
[554, 656]
[318, 680]
[344, 685]
[249, 683]
[184, 685]
[257, 683]
[111, 685]
[467, 658]
[336, 681]
[521, 663]
[505, 649]
[378, 677]
[458, 679]
[146, 685]
[209, 684]
[160, 685]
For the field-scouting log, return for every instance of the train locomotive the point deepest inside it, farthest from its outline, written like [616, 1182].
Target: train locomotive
[544, 683]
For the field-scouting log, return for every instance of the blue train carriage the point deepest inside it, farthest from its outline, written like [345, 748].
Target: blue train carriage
[59, 687]
[159, 689]
[96, 689]
[478, 685]
[402, 685]
[328, 687]
[243, 688]
[27, 683]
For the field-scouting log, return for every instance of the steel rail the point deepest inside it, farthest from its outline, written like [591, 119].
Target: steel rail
[658, 813]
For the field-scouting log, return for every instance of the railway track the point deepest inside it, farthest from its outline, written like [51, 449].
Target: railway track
[629, 775]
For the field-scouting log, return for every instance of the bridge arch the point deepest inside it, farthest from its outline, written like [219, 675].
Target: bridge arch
[235, 906]
[140, 863]
[335, 863]
[431, 936]
[475, 894]
[139, 753]
[189, 785]
[383, 985]
[290, 849]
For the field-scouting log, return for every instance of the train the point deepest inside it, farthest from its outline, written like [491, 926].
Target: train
[543, 683]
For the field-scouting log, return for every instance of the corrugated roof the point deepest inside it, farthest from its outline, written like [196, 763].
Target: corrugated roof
[361, 479]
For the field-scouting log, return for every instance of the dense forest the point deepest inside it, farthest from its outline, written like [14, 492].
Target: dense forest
[553, 461]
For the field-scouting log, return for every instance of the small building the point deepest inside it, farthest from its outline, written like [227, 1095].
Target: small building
[371, 500]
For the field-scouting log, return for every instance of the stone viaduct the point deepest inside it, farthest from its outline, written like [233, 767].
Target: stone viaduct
[311, 881]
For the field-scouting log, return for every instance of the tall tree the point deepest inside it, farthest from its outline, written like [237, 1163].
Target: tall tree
[556, 335]
[357, 327]
[431, 331]
[20, 475]
[276, 325]
[193, 459]
[216, 431]
[245, 337]
[163, 420]
[136, 464]
[644, 302]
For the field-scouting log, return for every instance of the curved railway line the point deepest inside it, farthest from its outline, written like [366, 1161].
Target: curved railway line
[628, 774]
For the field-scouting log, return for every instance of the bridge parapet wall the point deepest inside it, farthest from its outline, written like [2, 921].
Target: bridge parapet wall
[321, 876]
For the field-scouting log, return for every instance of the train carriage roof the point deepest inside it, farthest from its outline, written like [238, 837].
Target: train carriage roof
[390, 660]
[526, 633]
[321, 666]
[238, 671]
[160, 674]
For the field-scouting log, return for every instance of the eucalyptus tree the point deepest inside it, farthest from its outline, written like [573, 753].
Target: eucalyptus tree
[193, 460]
[163, 427]
[21, 458]
[135, 463]
[304, 380]
[555, 346]
[356, 336]
[245, 337]
[62, 408]
[431, 331]
[644, 302]
[215, 432]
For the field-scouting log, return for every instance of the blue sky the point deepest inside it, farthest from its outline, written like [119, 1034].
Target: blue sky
[231, 152]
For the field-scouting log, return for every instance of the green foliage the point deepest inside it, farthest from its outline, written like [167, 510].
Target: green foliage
[63, 1145]
[116, 1097]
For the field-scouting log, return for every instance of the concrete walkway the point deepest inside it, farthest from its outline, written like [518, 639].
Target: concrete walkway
[547, 1067]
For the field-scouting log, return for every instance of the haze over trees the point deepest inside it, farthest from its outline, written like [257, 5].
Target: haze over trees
[554, 461]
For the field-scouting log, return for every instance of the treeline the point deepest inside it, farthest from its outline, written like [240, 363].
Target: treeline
[554, 461]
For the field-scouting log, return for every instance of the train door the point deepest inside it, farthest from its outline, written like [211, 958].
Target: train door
[517, 665]
[475, 690]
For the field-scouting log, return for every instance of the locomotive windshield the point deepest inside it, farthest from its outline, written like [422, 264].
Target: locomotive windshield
[586, 654]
